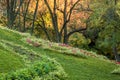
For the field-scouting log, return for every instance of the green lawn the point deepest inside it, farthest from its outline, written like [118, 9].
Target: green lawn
[9, 61]
[85, 69]
[76, 68]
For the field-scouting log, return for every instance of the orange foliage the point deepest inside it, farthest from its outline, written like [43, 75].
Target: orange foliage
[76, 17]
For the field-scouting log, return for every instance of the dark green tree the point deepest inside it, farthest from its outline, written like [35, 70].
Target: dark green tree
[104, 28]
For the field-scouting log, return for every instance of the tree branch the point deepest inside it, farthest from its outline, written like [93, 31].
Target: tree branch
[69, 16]
[60, 10]
[77, 30]
[71, 9]
[48, 6]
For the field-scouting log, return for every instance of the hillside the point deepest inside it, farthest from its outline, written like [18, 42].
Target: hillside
[20, 52]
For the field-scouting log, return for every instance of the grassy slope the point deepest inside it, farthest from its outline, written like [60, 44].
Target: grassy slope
[77, 68]
[9, 61]
[86, 69]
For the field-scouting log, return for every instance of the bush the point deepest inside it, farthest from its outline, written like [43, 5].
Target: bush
[42, 70]
[78, 40]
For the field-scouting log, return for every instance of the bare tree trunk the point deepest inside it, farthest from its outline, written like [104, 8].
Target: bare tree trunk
[19, 22]
[8, 13]
[12, 11]
[55, 22]
[65, 40]
[54, 19]
[24, 16]
[117, 57]
[34, 16]
[43, 26]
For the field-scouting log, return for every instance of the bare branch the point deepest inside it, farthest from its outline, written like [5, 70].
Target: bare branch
[60, 10]
[69, 15]
[77, 30]
[48, 6]
[71, 9]
[43, 26]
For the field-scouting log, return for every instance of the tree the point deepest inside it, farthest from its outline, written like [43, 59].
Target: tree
[54, 19]
[13, 8]
[34, 16]
[106, 23]
[27, 3]
[66, 11]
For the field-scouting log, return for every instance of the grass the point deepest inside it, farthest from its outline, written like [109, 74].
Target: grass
[77, 68]
[116, 71]
[85, 69]
[9, 61]
[37, 67]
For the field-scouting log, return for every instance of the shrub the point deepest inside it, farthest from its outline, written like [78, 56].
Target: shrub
[78, 40]
[42, 70]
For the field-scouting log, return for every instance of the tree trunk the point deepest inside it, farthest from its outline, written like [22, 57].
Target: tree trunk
[116, 2]
[54, 19]
[114, 47]
[24, 16]
[55, 22]
[65, 40]
[19, 26]
[34, 16]
[12, 12]
[9, 21]
[117, 57]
